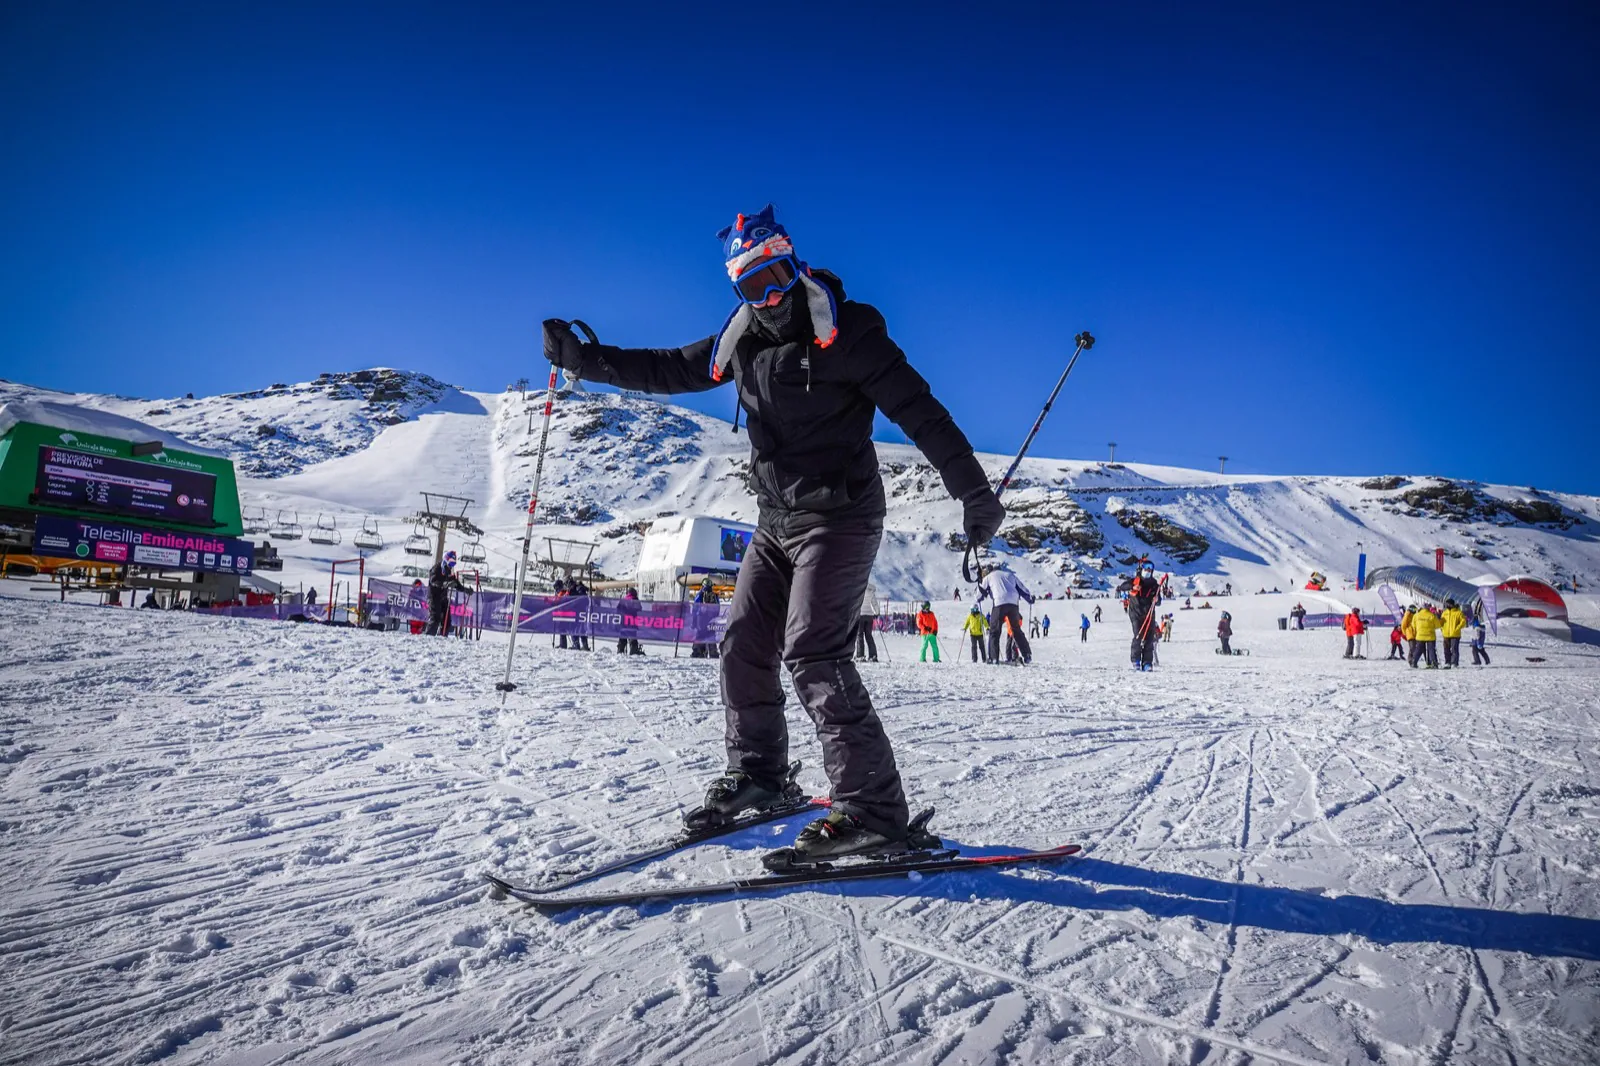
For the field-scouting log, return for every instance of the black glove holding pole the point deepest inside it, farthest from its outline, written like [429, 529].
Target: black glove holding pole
[562, 346]
[981, 515]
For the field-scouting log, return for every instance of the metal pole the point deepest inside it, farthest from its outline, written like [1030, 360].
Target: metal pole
[527, 533]
[1085, 340]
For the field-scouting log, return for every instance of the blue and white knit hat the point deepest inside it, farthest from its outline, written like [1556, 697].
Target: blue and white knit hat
[756, 237]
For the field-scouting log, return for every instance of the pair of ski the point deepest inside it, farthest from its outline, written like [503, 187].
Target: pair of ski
[893, 864]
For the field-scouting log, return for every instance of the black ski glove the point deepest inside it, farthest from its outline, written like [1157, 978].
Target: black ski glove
[562, 346]
[981, 515]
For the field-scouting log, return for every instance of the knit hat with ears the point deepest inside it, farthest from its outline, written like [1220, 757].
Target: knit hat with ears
[759, 236]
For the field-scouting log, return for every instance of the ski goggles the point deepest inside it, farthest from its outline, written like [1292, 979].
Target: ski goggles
[766, 277]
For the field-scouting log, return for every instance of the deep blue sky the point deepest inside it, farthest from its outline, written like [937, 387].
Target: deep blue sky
[1318, 239]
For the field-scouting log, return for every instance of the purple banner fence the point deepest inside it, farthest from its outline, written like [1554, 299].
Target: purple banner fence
[596, 617]
[1336, 621]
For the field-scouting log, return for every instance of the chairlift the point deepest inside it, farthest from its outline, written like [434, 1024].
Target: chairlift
[288, 528]
[254, 520]
[369, 539]
[474, 553]
[419, 543]
[325, 532]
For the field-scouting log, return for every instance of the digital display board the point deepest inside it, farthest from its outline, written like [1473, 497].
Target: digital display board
[86, 481]
[734, 543]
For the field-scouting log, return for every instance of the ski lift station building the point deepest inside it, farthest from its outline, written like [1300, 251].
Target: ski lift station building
[677, 547]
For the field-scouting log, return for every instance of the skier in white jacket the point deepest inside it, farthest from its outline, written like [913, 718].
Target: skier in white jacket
[866, 647]
[1007, 591]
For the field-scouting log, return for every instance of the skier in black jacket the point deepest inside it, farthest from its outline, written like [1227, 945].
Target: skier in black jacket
[810, 368]
[1143, 598]
[441, 582]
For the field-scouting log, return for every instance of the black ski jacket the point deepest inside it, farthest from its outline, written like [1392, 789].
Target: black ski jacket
[810, 413]
[440, 584]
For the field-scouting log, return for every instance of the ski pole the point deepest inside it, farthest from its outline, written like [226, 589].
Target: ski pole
[506, 685]
[1085, 341]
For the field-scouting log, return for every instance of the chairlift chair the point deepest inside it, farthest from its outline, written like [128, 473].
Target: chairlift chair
[369, 539]
[474, 553]
[325, 532]
[288, 528]
[254, 520]
[418, 543]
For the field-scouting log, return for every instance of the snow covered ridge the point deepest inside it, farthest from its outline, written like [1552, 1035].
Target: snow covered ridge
[361, 445]
[280, 429]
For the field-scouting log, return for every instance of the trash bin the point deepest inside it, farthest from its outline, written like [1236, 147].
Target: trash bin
[1283, 623]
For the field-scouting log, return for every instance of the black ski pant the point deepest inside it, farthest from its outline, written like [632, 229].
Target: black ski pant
[1395, 652]
[1142, 651]
[1416, 652]
[629, 646]
[998, 615]
[1349, 646]
[866, 648]
[1430, 651]
[979, 653]
[438, 617]
[1226, 650]
[1452, 651]
[1480, 656]
[797, 604]
[1085, 638]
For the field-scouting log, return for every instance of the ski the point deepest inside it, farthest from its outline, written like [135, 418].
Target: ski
[819, 874]
[686, 839]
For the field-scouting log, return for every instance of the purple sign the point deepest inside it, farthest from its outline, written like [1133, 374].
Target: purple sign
[85, 481]
[163, 549]
[599, 617]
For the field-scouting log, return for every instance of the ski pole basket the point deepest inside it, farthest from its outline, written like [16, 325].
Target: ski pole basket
[474, 553]
[418, 543]
[254, 520]
[288, 528]
[326, 531]
[369, 539]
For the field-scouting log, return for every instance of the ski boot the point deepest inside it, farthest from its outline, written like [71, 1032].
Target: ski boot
[841, 834]
[736, 792]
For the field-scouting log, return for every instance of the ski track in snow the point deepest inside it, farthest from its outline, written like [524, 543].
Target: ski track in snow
[253, 843]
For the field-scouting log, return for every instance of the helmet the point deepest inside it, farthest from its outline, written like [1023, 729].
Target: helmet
[1228, 616]
[926, 606]
[975, 610]
[1146, 566]
[450, 560]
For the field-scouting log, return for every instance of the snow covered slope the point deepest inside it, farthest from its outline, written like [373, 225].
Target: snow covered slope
[365, 444]
[262, 846]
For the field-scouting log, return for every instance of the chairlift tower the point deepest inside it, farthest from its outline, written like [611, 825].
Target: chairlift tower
[571, 558]
[442, 512]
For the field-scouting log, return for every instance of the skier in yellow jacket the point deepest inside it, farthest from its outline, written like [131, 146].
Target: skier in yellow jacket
[1425, 623]
[975, 627]
[1451, 623]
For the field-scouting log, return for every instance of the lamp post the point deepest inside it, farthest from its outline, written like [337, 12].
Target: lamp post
[1222, 464]
[1113, 446]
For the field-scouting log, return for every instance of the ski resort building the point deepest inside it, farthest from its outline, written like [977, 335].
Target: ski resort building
[680, 548]
[86, 489]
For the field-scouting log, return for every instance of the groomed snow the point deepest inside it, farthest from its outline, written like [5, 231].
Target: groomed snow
[251, 843]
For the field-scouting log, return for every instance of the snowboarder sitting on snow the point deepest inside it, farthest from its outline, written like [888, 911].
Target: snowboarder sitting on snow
[1007, 591]
[1225, 632]
[810, 369]
[441, 582]
[928, 630]
[1143, 599]
[975, 627]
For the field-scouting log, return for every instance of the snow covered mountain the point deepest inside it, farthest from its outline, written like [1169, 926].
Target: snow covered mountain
[356, 445]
